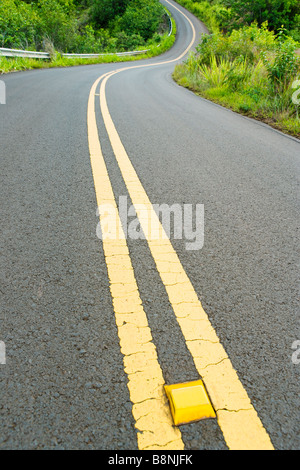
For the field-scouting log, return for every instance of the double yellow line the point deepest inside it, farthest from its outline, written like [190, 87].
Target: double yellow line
[238, 420]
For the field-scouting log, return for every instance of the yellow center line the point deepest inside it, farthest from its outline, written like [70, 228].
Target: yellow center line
[145, 378]
[237, 418]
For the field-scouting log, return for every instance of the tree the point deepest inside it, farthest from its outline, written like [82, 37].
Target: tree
[104, 11]
[275, 12]
[142, 17]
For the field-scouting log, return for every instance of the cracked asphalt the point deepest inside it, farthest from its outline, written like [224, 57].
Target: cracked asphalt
[64, 385]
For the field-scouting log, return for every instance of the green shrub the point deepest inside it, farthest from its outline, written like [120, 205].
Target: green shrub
[127, 42]
[142, 17]
[247, 42]
[58, 23]
[20, 25]
[285, 64]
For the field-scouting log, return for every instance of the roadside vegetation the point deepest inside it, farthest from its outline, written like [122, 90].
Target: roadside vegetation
[251, 60]
[82, 26]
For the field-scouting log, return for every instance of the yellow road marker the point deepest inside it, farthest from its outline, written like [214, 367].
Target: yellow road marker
[145, 378]
[237, 418]
[189, 402]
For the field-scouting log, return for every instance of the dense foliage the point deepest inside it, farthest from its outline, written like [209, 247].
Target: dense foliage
[80, 25]
[277, 13]
[227, 15]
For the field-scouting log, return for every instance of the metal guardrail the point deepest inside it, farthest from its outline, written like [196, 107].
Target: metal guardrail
[91, 56]
[20, 53]
[45, 55]
[4, 52]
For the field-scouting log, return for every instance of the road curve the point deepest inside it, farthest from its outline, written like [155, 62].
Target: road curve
[64, 383]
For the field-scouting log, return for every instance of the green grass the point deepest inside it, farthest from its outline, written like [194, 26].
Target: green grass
[253, 102]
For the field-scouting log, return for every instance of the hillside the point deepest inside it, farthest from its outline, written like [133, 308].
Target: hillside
[81, 26]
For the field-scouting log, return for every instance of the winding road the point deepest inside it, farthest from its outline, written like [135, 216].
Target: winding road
[94, 328]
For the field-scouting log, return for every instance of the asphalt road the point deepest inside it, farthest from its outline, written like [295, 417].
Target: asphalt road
[64, 385]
